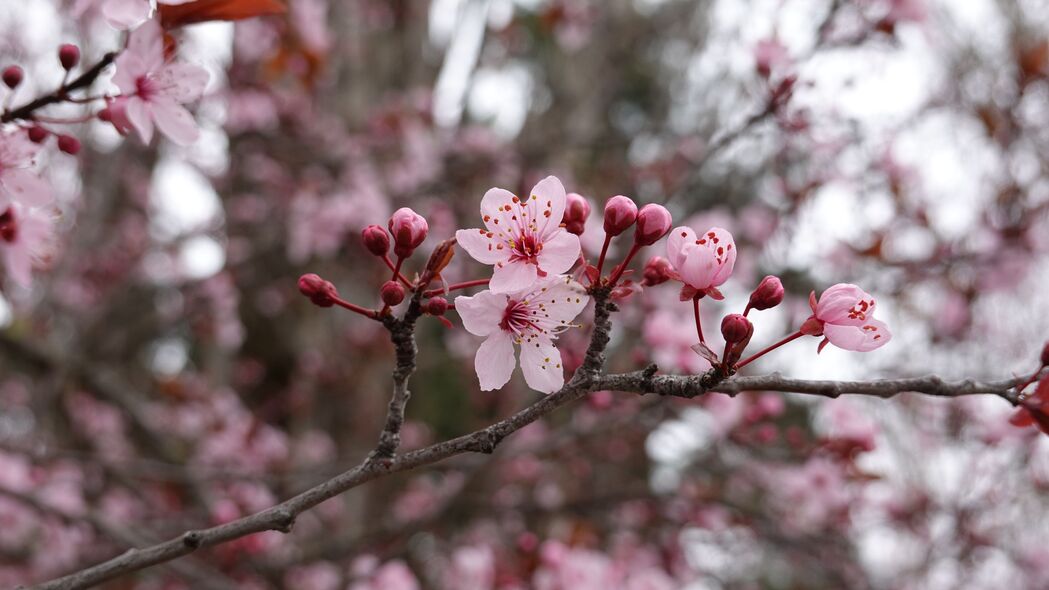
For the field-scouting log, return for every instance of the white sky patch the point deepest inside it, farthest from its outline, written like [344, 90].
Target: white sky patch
[182, 200]
[500, 97]
[201, 257]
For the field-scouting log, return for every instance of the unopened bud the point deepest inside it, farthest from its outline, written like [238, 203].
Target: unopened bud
[409, 229]
[768, 294]
[1045, 355]
[620, 213]
[577, 209]
[8, 225]
[320, 291]
[736, 328]
[376, 240]
[37, 134]
[436, 306]
[69, 144]
[657, 271]
[391, 293]
[653, 222]
[69, 56]
[13, 76]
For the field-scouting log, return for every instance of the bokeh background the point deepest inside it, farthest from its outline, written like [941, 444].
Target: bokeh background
[163, 372]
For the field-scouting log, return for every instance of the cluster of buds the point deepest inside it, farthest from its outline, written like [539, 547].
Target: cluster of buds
[69, 58]
[651, 222]
[405, 231]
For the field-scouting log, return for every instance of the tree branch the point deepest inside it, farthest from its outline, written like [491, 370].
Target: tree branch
[587, 378]
[84, 80]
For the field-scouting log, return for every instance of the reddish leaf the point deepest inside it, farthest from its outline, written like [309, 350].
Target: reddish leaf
[704, 351]
[177, 15]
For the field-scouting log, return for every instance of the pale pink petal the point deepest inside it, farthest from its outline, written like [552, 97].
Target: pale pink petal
[482, 246]
[497, 209]
[130, 68]
[495, 361]
[17, 263]
[699, 269]
[541, 364]
[174, 121]
[860, 338]
[481, 313]
[510, 277]
[140, 117]
[181, 82]
[562, 298]
[680, 241]
[16, 151]
[547, 205]
[22, 186]
[125, 14]
[559, 253]
[845, 304]
[147, 42]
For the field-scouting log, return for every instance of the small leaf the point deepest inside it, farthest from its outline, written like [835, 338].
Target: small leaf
[704, 351]
[178, 15]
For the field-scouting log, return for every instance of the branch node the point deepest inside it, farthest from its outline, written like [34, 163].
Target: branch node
[283, 520]
[192, 539]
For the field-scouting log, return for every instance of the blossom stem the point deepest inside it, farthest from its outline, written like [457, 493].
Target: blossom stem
[369, 313]
[456, 286]
[699, 322]
[396, 269]
[618, 272]
[604, 251]
[762, 353]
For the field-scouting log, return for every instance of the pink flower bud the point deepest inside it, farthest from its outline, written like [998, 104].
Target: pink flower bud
[391, 293]
[409, 229]
[657, 271]
[37, 134]
[13, 76]
[69, 56]
[768, 294]
[620, 213]
[736, 328]
[1045, 355]
[577, 209]
[8, 225]
[436, 306]
[376, 240]
[320, 291]
[653, 222]
[115, 114]
[69, 144]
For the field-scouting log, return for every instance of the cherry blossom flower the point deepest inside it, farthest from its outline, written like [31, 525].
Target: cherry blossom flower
[25, 239]
[531, 318]
[156, 89]
[844, 315]
[702, 263]
[523, 237]
[17, 183]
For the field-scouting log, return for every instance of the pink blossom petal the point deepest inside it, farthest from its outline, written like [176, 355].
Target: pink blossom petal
[560, 252]
[174, 121]
[871, 335]
[125, 14]
[541, 364]
[181, 82]
[699, 269]
[141, 119]
[481, 313]
[495, 361]
[511, 277]
[562, 298]
[547, 205]
[130, 68]
[481, 247]
[836, 305]
[680, 241]
[495, 212]
[22, 186]
[147, 42]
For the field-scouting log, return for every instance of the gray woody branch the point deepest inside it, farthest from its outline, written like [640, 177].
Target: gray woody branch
[586, 379]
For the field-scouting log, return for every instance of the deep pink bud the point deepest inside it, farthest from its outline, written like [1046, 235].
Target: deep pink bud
[1045, 355]
[620, 213]
[69, 144]
[69, 56]
[409, 229]
[577, 209]
[320, 291]
[13, 76]
[653, 222]
[391, 293]
[657, 271]
[8, 225]
[768, 294]
[436, 306]
[37, 134]
[736, 328]
[376, 240]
